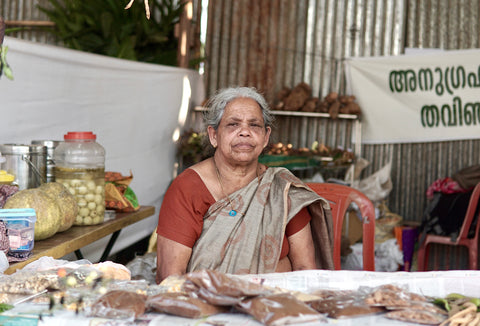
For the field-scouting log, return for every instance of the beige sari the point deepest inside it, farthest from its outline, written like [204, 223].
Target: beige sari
[251, 241]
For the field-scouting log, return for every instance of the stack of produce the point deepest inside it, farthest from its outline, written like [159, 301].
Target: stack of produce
[300, 99]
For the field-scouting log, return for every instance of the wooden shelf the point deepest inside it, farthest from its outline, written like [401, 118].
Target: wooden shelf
[300, 114]
[314, 114]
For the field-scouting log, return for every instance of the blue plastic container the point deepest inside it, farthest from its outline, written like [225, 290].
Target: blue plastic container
[20, 225]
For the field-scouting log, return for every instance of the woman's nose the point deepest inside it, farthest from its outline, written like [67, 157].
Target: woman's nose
[245, 130]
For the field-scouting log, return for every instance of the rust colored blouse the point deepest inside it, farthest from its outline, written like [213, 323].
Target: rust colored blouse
[186, 202]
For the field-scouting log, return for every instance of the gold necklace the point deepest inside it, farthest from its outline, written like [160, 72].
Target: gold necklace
[232, 212]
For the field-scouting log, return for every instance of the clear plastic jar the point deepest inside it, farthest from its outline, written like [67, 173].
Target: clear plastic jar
[80, 166]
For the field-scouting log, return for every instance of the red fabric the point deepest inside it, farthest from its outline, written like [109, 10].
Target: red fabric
[186, 202]
[445, 185]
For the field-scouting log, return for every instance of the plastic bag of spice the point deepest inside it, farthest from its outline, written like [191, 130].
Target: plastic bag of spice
[416, 316]
[6, 191]
[118, 304]
[344, 306]
[221, 289]
[4, 241]
[279, 309]
[389, 295]
[182, 305]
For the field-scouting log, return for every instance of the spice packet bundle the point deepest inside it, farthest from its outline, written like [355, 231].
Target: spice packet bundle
[29, 282]
[272, 309]
[404, 305]
[220, 289]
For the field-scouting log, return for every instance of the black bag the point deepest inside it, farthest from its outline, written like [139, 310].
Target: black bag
[445, 213]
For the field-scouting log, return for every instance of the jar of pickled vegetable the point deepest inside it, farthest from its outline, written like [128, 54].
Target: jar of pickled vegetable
[80, 166]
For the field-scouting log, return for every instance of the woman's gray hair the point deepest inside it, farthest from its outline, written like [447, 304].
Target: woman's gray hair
[217, 103]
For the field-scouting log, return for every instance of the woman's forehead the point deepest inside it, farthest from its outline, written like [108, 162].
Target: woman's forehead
[242, 105]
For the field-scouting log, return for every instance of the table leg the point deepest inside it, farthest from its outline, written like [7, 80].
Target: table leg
[107, 250]
[109, 246]
[79, 254]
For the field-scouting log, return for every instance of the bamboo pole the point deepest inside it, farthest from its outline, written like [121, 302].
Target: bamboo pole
[185, 34]
[30, 23]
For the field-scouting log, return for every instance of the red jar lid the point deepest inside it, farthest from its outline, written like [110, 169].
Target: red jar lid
[79, 135]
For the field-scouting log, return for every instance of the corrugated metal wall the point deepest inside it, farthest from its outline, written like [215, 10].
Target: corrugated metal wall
[26, 10]
[270, 44]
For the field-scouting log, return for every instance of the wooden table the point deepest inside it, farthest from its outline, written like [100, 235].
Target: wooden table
[78, 237]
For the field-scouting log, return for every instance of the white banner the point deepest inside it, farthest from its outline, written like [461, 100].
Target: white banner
[134, 108]
[417, 98]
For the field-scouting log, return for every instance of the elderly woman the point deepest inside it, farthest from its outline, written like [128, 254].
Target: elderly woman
[235, 215]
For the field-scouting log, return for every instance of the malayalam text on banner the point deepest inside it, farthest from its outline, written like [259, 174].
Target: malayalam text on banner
[417, 98]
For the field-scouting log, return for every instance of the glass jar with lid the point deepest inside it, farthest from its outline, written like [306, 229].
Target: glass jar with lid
[80, 166]
[5, 177]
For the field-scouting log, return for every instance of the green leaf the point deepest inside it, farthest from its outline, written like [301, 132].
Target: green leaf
[5, 307]
[107, 24]
[127, 49]
[105, 27]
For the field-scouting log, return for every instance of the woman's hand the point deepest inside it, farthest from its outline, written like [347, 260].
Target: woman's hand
[302, 251]
[172, 258]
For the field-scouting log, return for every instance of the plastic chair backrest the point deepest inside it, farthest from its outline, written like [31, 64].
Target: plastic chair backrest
[462, 238]
[470, 215]
[340, 198]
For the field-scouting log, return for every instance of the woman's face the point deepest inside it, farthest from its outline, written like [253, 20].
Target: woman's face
[241, 135]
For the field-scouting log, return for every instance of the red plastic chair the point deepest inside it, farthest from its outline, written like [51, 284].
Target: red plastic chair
[461, 240]
[340, 198]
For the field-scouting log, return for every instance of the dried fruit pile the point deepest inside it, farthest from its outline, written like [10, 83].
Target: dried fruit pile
[300, 99]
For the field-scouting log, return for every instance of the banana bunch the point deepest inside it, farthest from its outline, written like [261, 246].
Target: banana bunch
[4, 67]
[462, 310]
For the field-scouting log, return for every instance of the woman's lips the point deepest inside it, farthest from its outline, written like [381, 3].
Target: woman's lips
[241, 146]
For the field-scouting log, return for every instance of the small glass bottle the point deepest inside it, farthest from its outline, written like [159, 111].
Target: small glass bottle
[80, 166]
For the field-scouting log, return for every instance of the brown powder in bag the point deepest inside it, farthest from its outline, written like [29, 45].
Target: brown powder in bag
[182, 305]
[119, 304]
[221, 289]
[279, 309]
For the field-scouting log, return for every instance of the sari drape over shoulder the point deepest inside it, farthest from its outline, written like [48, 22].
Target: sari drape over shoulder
[251, 241]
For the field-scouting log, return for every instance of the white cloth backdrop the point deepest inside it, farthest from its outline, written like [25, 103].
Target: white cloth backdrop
[133, 108]
[434, 96]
